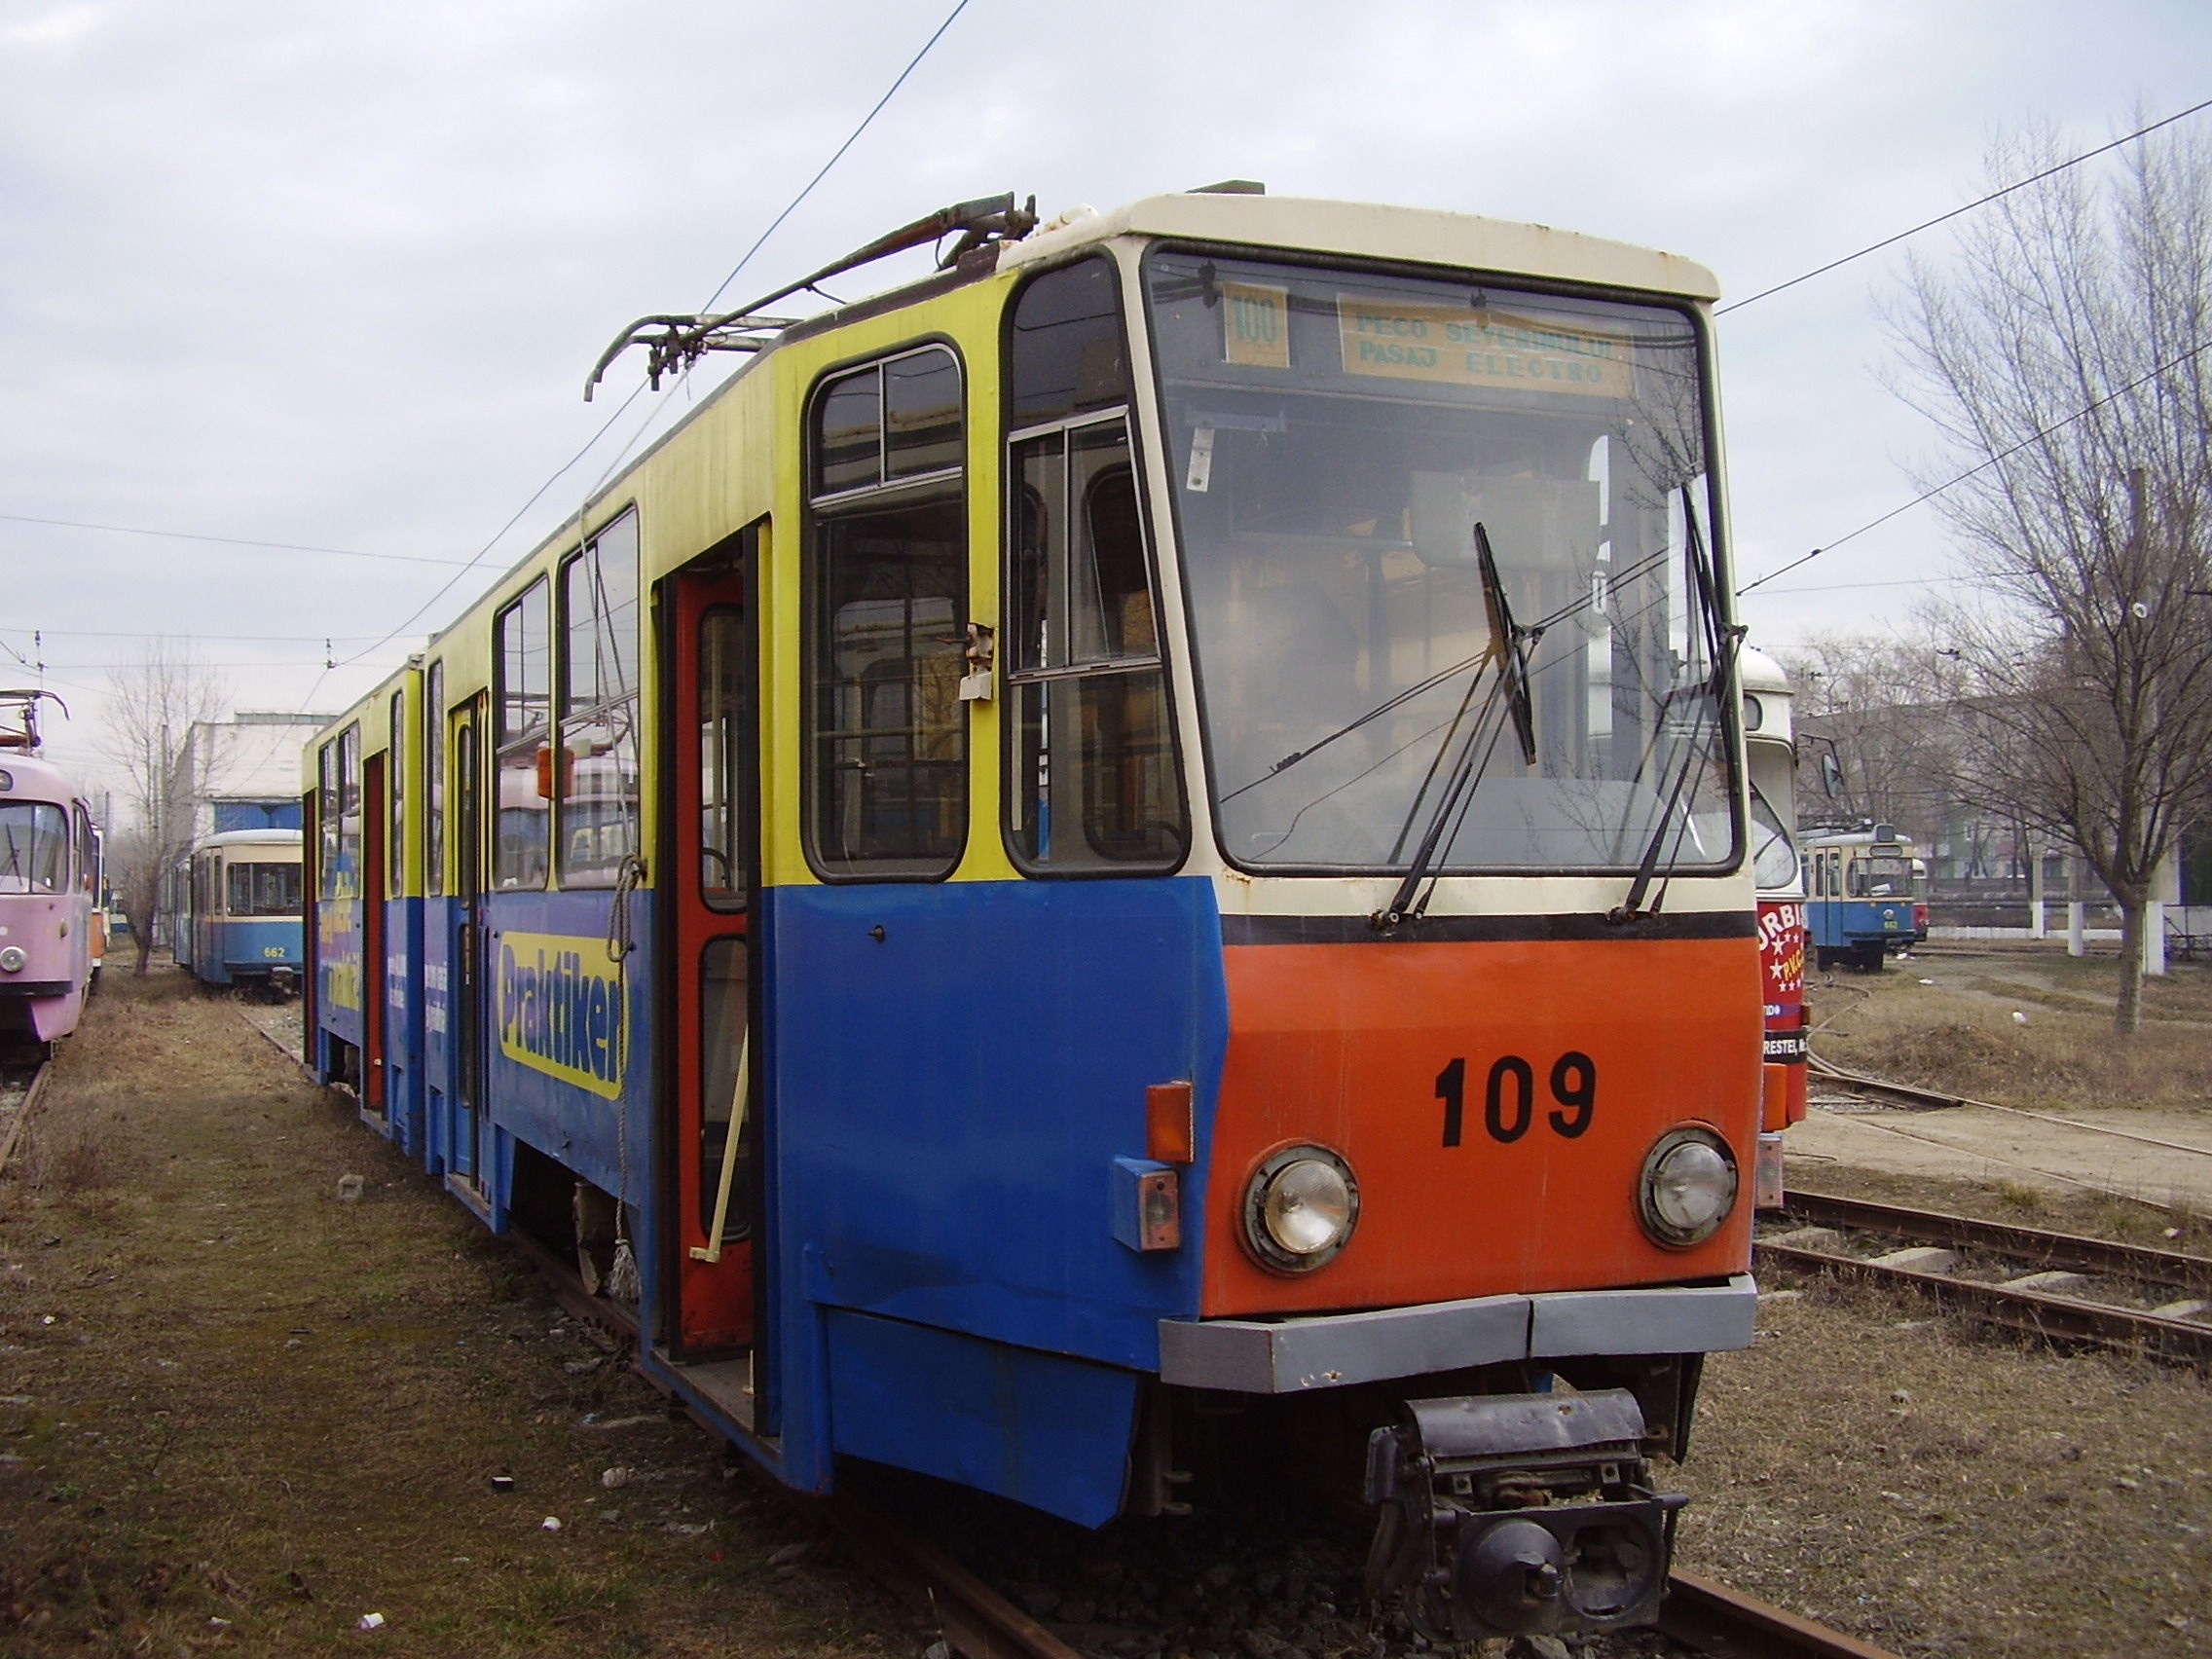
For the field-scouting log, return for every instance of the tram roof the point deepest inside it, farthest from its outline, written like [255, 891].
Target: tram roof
[1366, 229]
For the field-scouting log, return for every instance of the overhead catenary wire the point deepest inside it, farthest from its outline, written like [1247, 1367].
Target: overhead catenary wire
[2004, 454]
[225, 540]
[759, 241]
[1980, 202]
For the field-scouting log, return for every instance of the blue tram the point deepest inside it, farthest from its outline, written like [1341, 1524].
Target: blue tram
[1867, 897]
[238, 910]
[1124, 861]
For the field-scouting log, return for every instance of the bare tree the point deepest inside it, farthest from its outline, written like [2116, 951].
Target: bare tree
[153, 705]
[1877, 701]
[2065, 352]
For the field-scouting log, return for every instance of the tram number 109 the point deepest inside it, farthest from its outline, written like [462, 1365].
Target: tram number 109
[1510, 1096]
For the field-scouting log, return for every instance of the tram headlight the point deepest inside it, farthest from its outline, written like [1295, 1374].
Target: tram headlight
[1300, 1207]
[12, 959]
[1687, 1188]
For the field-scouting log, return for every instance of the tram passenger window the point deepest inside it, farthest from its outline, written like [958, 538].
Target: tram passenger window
[885, 591]
[724, 736]
[351, 885]
[397, 770]
[597, 750]
[327, 819]
[921, 414]
[723, 1009]
[264, 889]
[1092, 780]
[88, 853]
[434, 778]
[524, 659]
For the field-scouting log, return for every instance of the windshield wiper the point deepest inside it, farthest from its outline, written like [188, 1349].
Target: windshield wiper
[1695, 751]
[1510, 643]
[1508, 649]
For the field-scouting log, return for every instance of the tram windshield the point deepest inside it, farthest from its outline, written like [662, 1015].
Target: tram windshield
[1883, 875]
[1379, 696]
[1774, 850]
[265, 889]
[34, 847]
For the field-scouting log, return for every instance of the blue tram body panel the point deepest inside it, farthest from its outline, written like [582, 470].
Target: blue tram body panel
[954, 1225]
[247, 950]
[433, 987]
[1081, 994]
[1840, 923]
[563, 1070]
[403, 1023]
[339, 972]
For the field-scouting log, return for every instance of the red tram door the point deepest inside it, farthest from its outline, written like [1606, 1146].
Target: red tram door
[710, 852]
[375, 974]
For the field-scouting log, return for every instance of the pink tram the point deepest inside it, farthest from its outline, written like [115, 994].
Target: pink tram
[49, 887]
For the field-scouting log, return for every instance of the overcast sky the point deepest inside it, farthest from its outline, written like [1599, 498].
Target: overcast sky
[333, 276]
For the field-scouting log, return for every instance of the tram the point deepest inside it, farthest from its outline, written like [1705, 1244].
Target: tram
[1771, 756]
[1116, 873]
[50, 873]
[238, 910]
[1867, 897]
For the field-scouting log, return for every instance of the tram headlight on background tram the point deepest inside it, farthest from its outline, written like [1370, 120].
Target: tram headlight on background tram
[1300, 1207]
[1687, 1187]
[12, 959]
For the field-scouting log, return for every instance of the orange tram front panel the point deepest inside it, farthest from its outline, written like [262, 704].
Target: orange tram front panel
[1494, 1099]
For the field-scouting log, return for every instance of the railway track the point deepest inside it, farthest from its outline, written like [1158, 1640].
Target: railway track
[20, 1086]
[978, 1622]
[2052, 1286]
[1702, 1614]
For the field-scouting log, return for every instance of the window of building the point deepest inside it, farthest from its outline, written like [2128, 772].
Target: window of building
[522, 654]
[885, 591]
[597, 750]
[1092, 780]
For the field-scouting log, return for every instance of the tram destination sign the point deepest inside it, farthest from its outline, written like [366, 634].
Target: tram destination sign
[1488, 347]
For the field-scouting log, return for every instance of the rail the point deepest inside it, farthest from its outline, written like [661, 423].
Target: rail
[1728, 1624]
[2029, 1304]
[21, 1113]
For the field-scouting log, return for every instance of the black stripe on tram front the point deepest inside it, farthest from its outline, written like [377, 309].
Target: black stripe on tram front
[1460, 929]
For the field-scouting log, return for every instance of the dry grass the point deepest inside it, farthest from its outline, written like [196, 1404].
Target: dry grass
[1944, 1495]
[237, 1413]
[1961, 1034]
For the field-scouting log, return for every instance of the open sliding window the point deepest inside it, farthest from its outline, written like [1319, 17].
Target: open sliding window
[598, 751]
[1093, 783]
[885, 592]
[523, 657]
[326, 821]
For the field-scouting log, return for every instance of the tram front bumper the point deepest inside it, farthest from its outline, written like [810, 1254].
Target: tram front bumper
[1330, 1350]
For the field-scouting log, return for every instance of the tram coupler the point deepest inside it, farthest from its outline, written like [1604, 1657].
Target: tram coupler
[1518, 1514]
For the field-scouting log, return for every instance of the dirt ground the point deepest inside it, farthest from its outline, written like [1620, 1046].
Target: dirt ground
[239, 1412]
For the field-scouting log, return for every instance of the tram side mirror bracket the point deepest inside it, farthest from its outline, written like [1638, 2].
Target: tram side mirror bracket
[980, 653]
